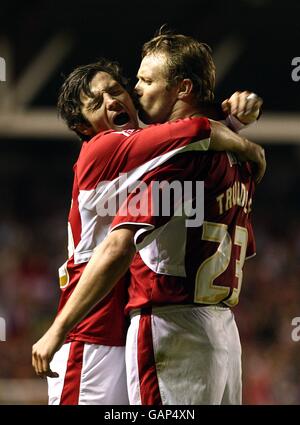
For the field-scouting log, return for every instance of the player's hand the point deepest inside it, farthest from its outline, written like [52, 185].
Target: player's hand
[245, 106]
[256, 154]
[43, 351]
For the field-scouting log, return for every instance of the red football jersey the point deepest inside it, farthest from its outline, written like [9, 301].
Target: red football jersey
[95, 188]
[203, 264]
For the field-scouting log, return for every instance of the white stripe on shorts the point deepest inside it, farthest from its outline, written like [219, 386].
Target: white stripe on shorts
[102, 380]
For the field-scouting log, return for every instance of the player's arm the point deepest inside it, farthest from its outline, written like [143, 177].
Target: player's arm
[108, 264]
[199, 132]
[221, 137]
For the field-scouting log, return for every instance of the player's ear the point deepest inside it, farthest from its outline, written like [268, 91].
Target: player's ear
[85, 129]
[185, 88]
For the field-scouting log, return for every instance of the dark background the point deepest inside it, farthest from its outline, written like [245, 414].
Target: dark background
[36, 168]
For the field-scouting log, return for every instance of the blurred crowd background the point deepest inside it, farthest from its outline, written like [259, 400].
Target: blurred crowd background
[37, 155]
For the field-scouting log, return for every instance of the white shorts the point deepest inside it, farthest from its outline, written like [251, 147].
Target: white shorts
[184, 354]
[88, 374]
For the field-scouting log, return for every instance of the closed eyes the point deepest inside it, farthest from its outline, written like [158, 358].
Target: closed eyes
[97, 101]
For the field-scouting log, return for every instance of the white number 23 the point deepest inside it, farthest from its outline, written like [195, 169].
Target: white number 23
[205, 290]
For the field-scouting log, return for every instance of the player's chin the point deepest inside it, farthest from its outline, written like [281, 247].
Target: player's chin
[129, 126]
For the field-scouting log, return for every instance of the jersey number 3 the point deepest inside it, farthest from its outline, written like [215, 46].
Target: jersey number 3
[205, 290]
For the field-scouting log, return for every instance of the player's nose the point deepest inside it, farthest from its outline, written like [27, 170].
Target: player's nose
[111, 103]
[137, 89]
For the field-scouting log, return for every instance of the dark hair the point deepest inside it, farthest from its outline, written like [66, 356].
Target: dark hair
[69, 103]
[186, 58]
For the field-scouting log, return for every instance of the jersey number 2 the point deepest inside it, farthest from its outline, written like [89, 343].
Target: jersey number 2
[205, 290]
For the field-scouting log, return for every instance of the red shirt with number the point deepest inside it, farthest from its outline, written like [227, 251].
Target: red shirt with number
[180, 264]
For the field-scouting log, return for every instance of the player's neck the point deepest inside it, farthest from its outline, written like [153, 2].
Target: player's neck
[185, 111]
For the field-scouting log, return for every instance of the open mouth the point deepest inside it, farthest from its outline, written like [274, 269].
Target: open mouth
[121, 119]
